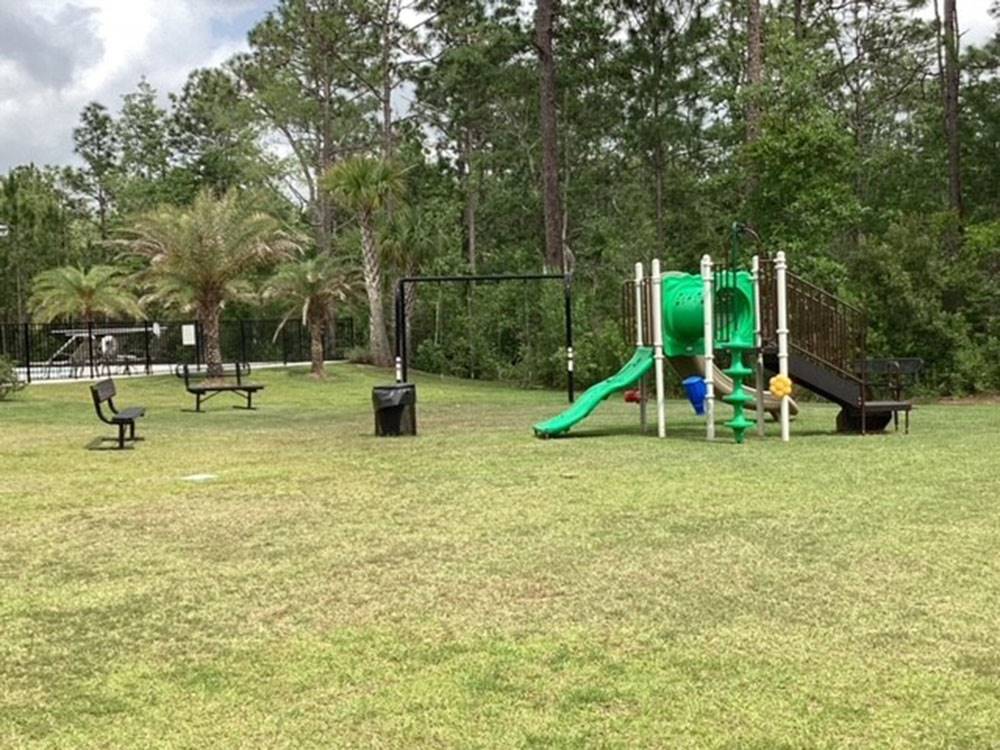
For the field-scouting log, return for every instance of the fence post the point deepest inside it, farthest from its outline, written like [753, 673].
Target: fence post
[568, 313]
[400, 332]
[243, 343]
[145, 341]
[27, 352]
[197, 344]
[708, 295]
[780, 268]
[90, 347]
[864, 374]
[656, 310]
[758, 342]
[637, 302]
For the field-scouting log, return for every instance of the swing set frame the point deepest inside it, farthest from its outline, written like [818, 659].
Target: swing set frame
[402, 355]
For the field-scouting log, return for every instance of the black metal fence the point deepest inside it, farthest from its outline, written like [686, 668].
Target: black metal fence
[53, 351]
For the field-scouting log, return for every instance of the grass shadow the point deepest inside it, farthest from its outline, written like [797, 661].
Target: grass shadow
[695, 432]
[102, 444]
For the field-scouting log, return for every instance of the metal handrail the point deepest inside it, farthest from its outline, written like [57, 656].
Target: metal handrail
[824, 328]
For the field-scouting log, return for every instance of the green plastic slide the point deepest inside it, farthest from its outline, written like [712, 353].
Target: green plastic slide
[630, 374]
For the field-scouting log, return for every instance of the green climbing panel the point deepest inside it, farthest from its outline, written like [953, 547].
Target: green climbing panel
[683, 300]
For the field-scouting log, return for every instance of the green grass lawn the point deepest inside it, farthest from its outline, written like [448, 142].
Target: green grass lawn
[475, 587]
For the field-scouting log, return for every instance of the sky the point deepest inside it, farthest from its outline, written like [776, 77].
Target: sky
[58, 55]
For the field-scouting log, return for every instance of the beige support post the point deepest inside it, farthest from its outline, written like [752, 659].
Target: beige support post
[708, 285]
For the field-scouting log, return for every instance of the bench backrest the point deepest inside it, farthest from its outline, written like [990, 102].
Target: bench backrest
[103, 390]
[237, 370]
[891, 366]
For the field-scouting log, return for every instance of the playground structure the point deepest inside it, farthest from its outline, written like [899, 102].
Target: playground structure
[751, 320]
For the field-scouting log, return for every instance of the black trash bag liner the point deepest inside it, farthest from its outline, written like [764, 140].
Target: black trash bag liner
[395, 409]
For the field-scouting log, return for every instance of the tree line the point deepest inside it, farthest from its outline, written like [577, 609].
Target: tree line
[392, 137]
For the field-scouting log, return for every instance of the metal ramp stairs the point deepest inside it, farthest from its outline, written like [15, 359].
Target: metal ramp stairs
[828, 352]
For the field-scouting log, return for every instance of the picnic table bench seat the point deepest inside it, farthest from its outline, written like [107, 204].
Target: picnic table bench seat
[203, 386]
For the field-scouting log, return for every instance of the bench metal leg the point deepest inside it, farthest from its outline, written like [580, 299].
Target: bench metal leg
[197, 402]
[248, 397]
[121, 436]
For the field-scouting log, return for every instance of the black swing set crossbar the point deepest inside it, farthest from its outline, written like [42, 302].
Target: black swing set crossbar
[402, 355]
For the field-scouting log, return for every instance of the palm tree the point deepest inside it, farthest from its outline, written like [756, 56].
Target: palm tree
[364, 186]
[312, 287]
[199, 257]
[410, 242]
[75, 293]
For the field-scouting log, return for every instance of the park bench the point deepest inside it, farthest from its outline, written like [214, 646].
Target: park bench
[103, 392]
[892, 375]
[203, 387]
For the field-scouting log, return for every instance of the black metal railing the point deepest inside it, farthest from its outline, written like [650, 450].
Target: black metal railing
[822, 327]
[89, 350]
[628, 311]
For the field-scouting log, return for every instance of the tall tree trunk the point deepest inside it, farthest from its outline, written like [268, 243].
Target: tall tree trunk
[545, 14]
[471, 198]
[655, 43]
[317, 326]
[409, 306]
[386, 82]
[102, 214]
[471, 205]
[325, 227]
[378, 338]
[951, 84]
[755, 77]
[331, 332]
[19, 282]
[755, 68]
[658, 179]
[209, 315]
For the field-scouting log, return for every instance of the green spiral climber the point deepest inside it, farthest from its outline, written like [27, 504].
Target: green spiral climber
[734, 333]
[738, 399]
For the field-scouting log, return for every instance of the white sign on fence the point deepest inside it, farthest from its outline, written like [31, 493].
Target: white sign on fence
[188, 334]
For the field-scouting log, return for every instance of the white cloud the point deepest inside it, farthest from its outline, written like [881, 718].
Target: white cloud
[58, 55]
[975, 24]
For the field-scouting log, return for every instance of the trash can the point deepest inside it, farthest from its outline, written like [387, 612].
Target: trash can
[395, 409]
[696, 391]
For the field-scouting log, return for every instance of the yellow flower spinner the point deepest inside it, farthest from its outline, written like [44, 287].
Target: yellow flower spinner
[781, 385]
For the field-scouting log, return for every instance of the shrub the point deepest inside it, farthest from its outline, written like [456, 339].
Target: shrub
[9, 382]
[359, 355]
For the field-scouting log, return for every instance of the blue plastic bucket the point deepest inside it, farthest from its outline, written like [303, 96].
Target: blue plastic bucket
[695, 388]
